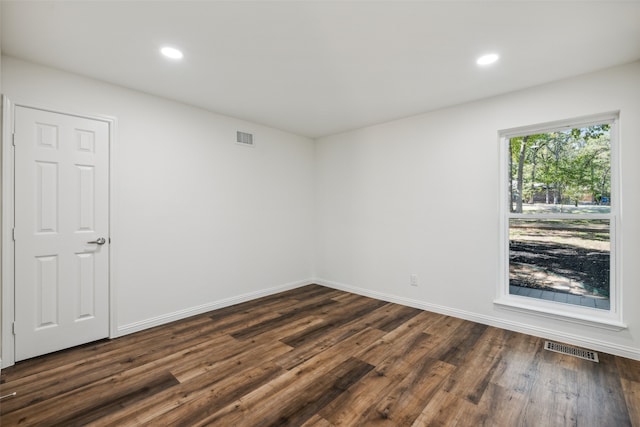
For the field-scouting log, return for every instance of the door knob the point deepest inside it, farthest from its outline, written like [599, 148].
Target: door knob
[100, 241]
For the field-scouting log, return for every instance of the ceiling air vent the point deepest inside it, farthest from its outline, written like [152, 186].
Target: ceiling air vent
[244, 138]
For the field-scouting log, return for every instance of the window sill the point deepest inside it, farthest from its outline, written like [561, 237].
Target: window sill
[583, 316]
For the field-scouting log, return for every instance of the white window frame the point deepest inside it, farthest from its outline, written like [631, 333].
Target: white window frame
[608, 319]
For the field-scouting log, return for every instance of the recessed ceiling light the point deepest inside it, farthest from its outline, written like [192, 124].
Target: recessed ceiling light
[487, 59]
[171, 52]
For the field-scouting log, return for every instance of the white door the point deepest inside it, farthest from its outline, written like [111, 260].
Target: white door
[61, 231]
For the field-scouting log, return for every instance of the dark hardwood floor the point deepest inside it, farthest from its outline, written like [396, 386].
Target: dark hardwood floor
[315, 356]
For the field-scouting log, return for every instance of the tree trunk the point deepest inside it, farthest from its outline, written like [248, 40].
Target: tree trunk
[510, 178]
[603, 185]
[520, 173]
[533, 176]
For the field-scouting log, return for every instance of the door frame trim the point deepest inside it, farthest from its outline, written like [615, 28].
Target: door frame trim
[7, 248]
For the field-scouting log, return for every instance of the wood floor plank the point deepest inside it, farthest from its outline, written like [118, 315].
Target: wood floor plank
[394, 343]
[33, 389]
[71, 407]
[192, 408]
[150, 338]
[225, 358]
[317, 421]
[265, 404]
[553, 398]
[404, 402]
[327, 388]
[498, 407]
[459, 343]
[115, 401]
[316, 356]
[242, 316]
[388, 313]
[121, 352]
[245, 319]
[355, 405]
[599, 382]
[303, 405]
[446, 410]
[400, 315]
[333, 320]
[631, 391]
[396, 364]
[440, 325]
[472, 377]
[519, 363]
[628, 369]
[309, 349]
[301, 312]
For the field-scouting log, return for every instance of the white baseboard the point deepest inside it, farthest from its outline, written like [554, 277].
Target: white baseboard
[581, 341]
[214, 305]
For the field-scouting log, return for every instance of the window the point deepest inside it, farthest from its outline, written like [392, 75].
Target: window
[560, 220]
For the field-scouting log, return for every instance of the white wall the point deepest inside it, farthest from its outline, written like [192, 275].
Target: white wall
[198, 220]
[420, 195]
[1, 192]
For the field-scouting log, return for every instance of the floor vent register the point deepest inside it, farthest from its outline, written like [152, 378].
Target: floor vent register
[571, 351]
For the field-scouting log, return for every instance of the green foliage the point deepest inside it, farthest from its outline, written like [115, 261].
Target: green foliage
[562, 167]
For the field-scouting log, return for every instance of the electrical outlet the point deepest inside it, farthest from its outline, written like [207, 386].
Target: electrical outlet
[413, 280]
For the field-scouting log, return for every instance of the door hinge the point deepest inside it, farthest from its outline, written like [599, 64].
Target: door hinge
[13, 328]
[13, 139]
[13, 234]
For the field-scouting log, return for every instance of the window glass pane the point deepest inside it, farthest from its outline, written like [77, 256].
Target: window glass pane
[565, 171]
[561, 260]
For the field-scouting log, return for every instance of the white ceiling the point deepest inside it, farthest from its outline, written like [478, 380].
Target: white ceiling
[316, 68]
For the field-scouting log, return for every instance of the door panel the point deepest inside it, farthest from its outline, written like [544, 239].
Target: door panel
[61, 206]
